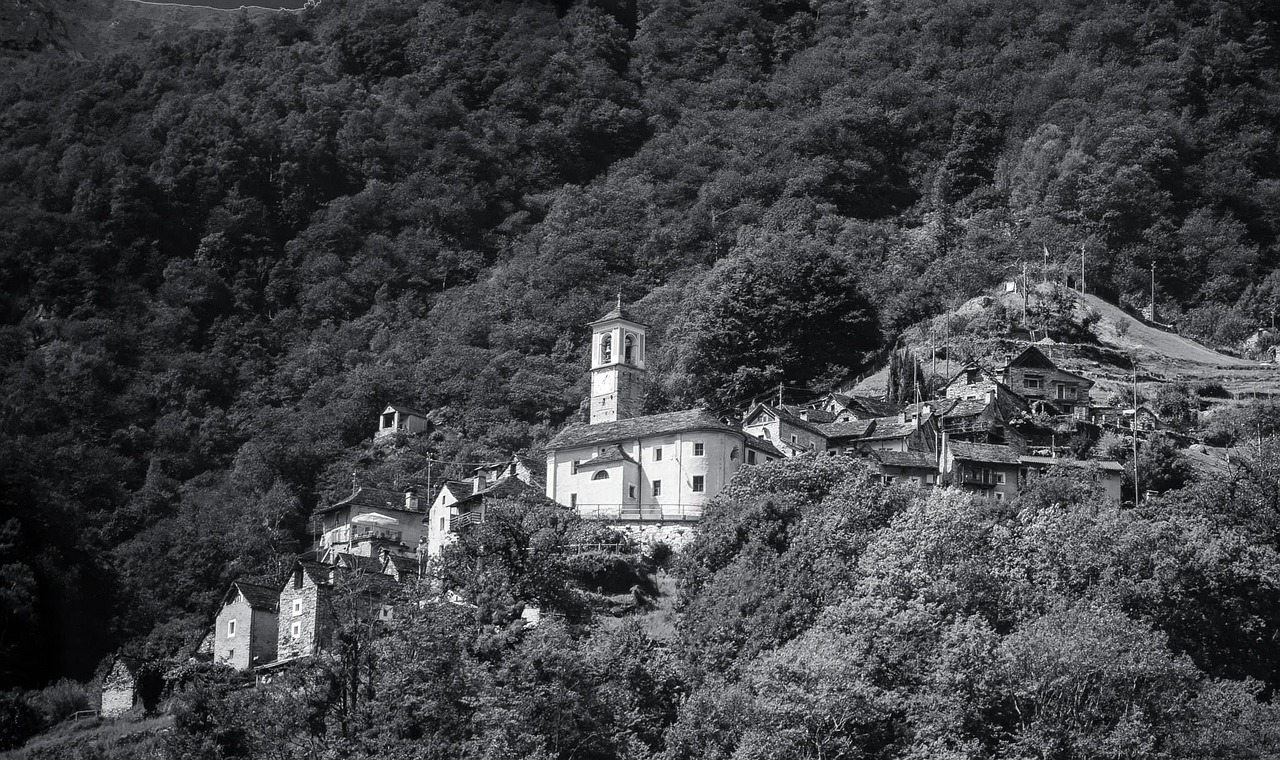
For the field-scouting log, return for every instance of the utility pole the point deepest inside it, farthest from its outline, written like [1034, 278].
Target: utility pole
[1045, 276]
[1082, 270]
[1133, 358]
[1153, 292]
[1024, 296]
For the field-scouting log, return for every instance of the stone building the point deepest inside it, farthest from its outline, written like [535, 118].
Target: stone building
[1036, 378]
[120, 688]
[460, 504]
[246, 629]
[370, 520]
[401, 419]
[306, 615]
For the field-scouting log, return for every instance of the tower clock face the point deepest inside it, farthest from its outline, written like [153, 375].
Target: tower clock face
[603, 382]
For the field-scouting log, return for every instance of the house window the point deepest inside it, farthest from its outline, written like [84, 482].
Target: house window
[297, 606]
[999, 496]
[1066, 391]
[573, 500]
[231, 629]
[601, 475]
[442, 524]
[657, 488]
[699, 450]
[576, 462]
[1000, 478]
[1032, 382]
[930, 479]
[768, 459]
[699, 483]
[631, 490]
[793, 438]
[765, 434]
[751, 457]
[295, 630]
[657, 453]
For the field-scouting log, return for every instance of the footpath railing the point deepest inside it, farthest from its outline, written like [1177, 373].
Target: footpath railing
[641, 512]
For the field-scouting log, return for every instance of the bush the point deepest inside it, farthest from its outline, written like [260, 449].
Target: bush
[19, 721]
[1211, 389]
[61, 700]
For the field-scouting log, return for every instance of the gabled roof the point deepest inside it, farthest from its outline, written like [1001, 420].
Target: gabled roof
[764, 447]
[359, 562]
[873, 406]
[916, 459]
[783, 414]
[815, 416]
[507, 488]
[259, 593]
[851, 429]
[371, 498]
[970, 367]
[1104, 464]
[638, 427]
[613, 455]
[887, 428]
[460, 489]
[403, 566]
[404, 410]
[983, 452]
[937, 406]
[1034, 357]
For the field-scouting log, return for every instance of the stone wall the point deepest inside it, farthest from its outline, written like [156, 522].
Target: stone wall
[118, 691]
[675, 535]
[301, 627]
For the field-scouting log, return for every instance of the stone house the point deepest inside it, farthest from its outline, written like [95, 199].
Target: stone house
[370, 520]
[973, 381]
[988, 471]
[246, 629]
[1035, 377]
[906, 467]
[120, 688]
[847, 407]
[401, 419]
[899, 433]
[791, 430]
[1105, 472]
[306, 614]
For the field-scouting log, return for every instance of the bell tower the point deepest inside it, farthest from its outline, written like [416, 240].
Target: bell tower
[617, 366]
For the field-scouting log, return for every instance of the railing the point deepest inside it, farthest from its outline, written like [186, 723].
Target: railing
[641, 512]
[82, 714]
[463, 520]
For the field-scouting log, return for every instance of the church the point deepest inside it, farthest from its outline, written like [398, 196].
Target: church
[625, 466]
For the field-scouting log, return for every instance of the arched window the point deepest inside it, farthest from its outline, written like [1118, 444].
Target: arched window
[606, 349]
[601, 475]
[627, 344]
[733, 453]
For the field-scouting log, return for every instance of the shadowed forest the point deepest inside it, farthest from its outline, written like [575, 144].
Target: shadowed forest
[222, 255]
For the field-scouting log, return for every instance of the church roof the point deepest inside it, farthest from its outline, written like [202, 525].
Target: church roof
[619, 312]
[638, 427]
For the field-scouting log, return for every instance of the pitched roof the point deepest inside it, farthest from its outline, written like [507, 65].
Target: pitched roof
[371, 498]
[785, 414]
[638, 427]
[851, 429]
[258, 592]
[460, 489]
[765, 447]
[403, 565]
[359, 562]
[917, 459]
[506, 488]
[983, 452]
[618, 312]
[614, 454]
[816, 416]
[890, 427]
[404, 410]
[1105, 464]
[876, 407]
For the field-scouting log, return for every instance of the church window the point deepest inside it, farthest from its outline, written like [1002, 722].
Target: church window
[699, 450]
[606, 349]
[699, 483]
[631, 490]
[733, 453]
[657, 488]
[573, 500]
[601, 475]
[657, 453]
[627, 345]
[751, 457]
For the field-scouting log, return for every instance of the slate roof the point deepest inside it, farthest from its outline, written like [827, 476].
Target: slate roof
[1105, 464]
[461, 489]
[764, 447]
[815, 416]
[638, 427]
[887, 428]
[937, 406]
[404, 410]
[359, 562]
[506, 488]
[916, 459]
[615, 454]
[404, 566]
[851, 429]
[874, 406]
[619, 312]
[260, 593]
[371, 498]
[786, 415]
[983, 452]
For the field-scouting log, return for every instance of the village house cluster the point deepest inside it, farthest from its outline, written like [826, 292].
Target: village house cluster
[989, 433]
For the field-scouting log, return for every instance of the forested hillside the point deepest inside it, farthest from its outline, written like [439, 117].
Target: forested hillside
[222, 255]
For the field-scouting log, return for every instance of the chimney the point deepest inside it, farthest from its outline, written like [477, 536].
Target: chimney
[804, 414]
[990, 396]
[902, 416]
[410, 501]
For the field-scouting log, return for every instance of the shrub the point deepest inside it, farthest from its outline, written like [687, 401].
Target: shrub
[61, 700]
[19, 721]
